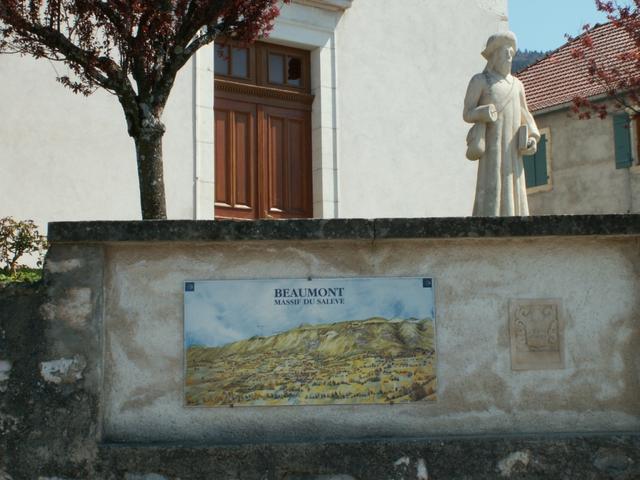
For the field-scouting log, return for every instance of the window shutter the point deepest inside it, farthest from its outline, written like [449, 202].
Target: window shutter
[622, 140]
[541, 162]
[535, 166]
[530, 170]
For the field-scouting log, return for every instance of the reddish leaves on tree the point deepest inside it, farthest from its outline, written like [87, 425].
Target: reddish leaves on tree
[105, 41]
[618, 73]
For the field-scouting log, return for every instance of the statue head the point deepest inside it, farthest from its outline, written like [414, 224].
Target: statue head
[499, 52]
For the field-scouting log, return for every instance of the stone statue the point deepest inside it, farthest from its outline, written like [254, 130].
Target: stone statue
[504, 130]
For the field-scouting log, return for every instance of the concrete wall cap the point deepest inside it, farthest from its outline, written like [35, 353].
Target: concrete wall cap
[342, 229]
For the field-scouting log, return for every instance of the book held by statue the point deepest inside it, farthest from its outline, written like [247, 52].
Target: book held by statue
[523, 138]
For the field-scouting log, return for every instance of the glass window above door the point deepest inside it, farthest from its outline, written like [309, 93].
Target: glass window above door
[231, 61]
[263, 64]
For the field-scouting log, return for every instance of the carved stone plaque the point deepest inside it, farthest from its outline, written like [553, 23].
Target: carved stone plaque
[537, 334]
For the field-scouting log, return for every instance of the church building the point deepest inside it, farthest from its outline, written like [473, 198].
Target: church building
[350, 108]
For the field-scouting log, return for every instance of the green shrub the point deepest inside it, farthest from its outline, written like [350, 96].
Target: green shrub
[17, 239]
[22, 275]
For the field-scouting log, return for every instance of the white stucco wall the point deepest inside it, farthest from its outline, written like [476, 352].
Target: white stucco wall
[61, 152]
[583, 174]
[403, 70]
[64, 156]
[475, 280]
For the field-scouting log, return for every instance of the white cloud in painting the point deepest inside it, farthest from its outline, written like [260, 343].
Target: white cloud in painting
[220, 312]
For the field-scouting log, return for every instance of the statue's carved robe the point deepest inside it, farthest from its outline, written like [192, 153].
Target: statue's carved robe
[501, 189]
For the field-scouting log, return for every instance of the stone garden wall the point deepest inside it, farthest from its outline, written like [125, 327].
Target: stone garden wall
[92, 372]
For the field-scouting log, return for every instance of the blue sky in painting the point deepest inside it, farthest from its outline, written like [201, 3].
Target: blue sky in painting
[221, 312]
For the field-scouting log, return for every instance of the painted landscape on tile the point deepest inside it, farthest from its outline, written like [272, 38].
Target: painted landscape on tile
[300, 342]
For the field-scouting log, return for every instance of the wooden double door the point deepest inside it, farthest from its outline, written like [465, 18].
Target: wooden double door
[262, 131]
[262, 161]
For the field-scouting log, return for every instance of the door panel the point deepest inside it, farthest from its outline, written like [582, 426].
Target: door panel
[235, 161]
[276, 167]
[243, 125]
[297, 168]
[287, 163]
[223, 158]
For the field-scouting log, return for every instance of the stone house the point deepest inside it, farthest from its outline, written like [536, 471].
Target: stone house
[350, 108]
[583, 166]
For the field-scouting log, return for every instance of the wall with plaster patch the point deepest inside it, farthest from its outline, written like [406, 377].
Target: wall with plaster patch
[478, 392]
[93, 356]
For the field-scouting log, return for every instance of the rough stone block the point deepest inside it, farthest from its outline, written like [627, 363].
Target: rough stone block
[63, 370]
[318, 477]
[5, 370]
[147, 476]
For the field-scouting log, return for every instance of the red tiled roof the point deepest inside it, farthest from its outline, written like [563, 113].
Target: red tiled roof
[558, 78]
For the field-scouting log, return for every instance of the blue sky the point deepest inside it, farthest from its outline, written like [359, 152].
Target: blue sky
[224, 311]
[542, 24]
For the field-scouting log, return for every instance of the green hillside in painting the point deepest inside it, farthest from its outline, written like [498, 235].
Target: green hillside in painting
[354, 362]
